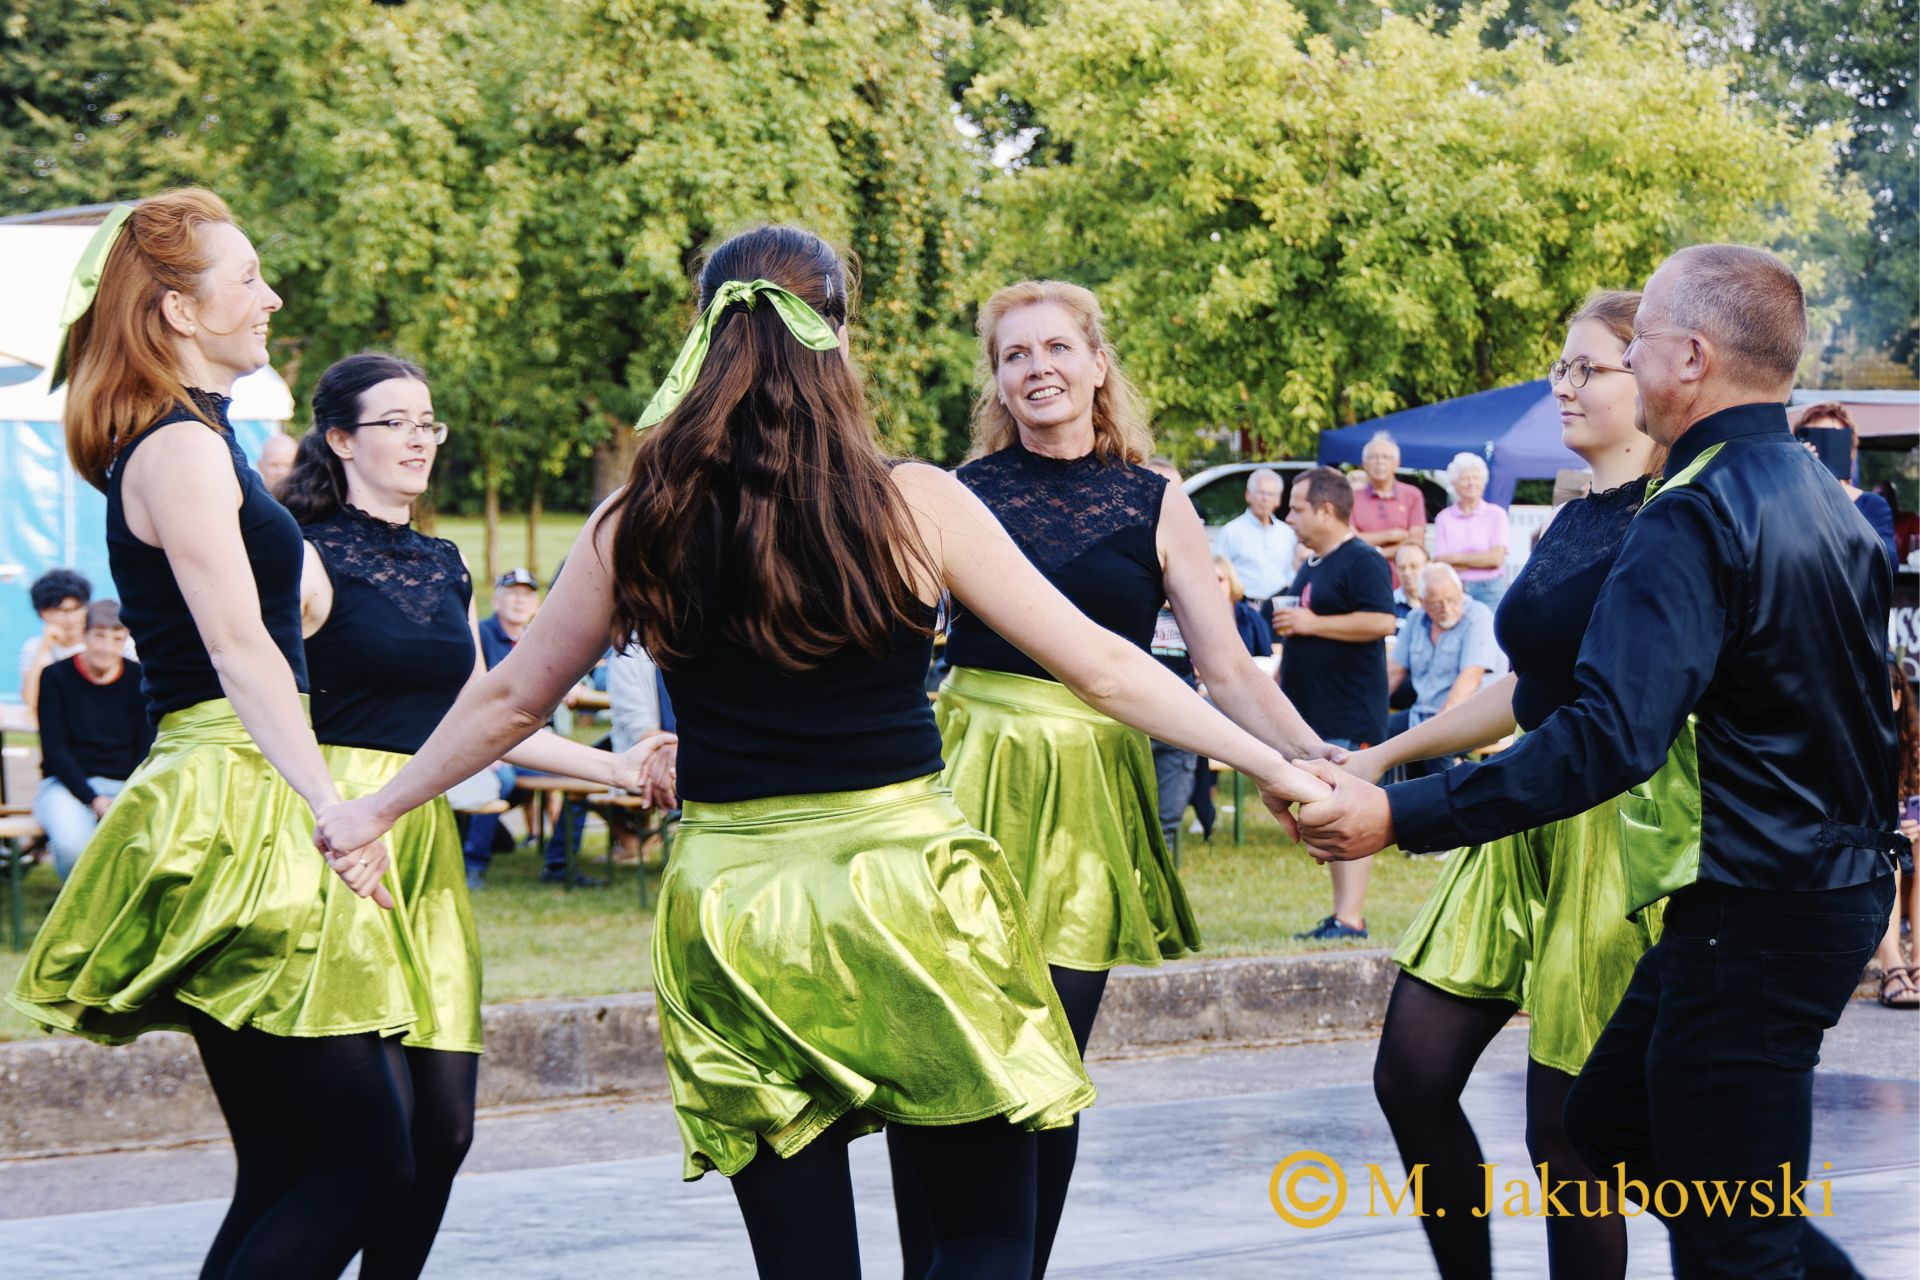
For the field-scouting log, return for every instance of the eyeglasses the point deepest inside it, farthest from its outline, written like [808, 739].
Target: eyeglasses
[404, 429]
[1579, 371]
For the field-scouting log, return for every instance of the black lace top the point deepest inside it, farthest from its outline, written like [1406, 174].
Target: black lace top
[1089, 526]
[175, 669]
[1544, 614]
[396, 648]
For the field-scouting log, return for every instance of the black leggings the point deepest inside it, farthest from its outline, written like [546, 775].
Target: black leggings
[1428, 1049]
[975, 1182]
[331, 1153]
[1080, 994]
[442, 1087]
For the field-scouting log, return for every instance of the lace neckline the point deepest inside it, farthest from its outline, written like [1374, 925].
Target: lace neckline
[360, 517]
[1047, 462]
[213, 404]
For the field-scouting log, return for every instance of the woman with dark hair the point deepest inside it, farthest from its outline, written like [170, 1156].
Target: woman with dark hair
[835, 948]
[59, 598]
[1059, 446]
[387, 614]
[1535, 921]
[202, 907]
[1828, 432]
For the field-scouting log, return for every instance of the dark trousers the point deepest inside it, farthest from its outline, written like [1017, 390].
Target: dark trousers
[1706, 1070]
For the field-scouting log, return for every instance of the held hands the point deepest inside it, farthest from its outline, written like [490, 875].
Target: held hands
[1366, 764]
[646, 769]
[347, 833]
[1353, 822]
[1288, 788]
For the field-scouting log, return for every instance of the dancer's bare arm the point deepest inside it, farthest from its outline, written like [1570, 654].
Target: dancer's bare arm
[1248, 695]
[983, 568]
[181, 496]
[1485, 717]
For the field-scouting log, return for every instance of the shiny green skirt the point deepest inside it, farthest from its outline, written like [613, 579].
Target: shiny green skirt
[860, 953]
[1547, 919]
[429, 882]
[201, 889]
[1070, 795]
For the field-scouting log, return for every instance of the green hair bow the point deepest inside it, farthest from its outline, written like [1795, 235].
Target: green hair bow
[85, 283]
[802, 321]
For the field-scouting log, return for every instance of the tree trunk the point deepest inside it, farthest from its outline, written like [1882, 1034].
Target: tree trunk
[490, 523]
[533, 530]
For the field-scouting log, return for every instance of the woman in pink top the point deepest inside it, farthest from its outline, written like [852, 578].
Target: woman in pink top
[1471, 534]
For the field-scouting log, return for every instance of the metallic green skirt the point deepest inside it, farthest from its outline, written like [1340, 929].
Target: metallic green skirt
[429, 880]
[859, 953]
[1070, 795]
[1547, 919]
[201, 888]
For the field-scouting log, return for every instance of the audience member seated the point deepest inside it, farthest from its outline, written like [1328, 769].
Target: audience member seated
[1409, 558]
[93, 733]
[1255, 631]
[60, 598]
[1446, 650]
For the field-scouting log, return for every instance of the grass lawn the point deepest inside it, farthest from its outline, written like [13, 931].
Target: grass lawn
[558, 529]
[541, 941]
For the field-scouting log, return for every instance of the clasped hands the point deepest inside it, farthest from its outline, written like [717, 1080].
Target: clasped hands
[1345, 818]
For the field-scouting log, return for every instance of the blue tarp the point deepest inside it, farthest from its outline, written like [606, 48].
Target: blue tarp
[1516, 429]
[53, 519]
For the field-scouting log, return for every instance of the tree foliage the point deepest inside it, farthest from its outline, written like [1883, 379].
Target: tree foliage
[1291, 237]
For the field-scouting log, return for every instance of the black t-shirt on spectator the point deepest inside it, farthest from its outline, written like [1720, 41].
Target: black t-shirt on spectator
[1340, 686]
[90, 730]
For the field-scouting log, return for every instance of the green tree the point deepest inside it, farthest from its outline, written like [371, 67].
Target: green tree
[1290, 237]
[514, 194]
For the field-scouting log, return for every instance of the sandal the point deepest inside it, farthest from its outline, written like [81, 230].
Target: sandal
[1898, 989]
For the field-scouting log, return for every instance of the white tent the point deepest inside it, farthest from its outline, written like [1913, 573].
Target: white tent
[49, 516]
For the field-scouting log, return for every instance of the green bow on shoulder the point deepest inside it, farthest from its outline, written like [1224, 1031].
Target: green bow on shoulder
[802, 321]
[85, 283]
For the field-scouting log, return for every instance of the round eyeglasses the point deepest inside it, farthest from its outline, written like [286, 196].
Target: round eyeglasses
[1578, 371]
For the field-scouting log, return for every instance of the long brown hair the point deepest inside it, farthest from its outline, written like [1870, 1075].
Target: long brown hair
[762, 504]
[1615, 309]
[1120, 427]
[124, 375]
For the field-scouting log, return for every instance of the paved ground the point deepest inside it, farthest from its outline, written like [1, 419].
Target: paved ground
[1173, 1180]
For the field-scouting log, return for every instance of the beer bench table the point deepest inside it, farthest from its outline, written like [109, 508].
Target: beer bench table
[597, 799]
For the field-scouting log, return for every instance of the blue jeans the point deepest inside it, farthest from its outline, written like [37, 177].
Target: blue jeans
[68, 823]
[478, 845]
[1487, 591]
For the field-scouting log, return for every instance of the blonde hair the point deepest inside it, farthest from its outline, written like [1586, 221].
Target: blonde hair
[125, 373]
[1235, 592]
[1120, 428]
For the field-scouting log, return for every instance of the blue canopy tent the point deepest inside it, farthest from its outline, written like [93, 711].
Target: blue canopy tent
[1516, 429]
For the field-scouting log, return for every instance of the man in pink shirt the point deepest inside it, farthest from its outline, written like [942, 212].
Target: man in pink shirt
[1471, 534]
[1387, 513]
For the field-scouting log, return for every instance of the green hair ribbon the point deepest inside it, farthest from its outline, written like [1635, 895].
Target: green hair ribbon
[86, 282]
[802, 321]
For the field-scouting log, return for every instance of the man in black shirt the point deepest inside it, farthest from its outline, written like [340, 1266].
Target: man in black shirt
[93, 733]
[1333, 663]
[1751, 597]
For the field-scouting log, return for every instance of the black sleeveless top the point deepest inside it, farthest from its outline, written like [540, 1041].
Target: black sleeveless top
[1544, 614]
[396, 649]
[1089, 526]
[749, 729]
[175, 671]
